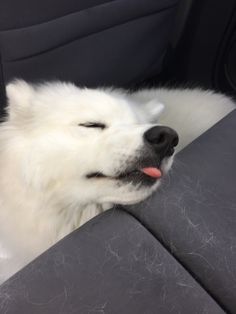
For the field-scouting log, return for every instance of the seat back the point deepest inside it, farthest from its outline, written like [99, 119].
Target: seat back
[89, 42]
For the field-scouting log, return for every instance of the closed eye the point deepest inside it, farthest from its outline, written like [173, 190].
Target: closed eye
[99, 125]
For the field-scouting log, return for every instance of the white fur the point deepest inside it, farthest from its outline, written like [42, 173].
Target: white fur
[189, 111]
[45, 156]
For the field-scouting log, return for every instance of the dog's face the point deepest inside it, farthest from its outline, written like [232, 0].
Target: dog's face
[98, 145]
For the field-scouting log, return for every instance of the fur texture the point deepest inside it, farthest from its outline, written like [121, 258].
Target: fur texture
[49, 147]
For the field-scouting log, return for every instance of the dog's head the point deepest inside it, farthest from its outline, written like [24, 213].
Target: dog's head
[92, 145]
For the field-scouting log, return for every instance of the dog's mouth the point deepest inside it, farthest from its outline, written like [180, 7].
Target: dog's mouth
[145, 175]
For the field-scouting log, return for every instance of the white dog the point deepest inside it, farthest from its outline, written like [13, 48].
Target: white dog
[66, 154]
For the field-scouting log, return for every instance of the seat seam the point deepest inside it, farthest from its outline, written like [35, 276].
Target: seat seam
[177, 259]
[90, 34]
[58, 17]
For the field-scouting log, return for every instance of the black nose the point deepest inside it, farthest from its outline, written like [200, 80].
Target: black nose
[163, 139]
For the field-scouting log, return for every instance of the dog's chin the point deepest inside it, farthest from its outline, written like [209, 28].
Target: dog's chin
[129, 197]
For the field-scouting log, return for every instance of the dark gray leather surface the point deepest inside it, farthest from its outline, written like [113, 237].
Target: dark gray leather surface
[177, 256]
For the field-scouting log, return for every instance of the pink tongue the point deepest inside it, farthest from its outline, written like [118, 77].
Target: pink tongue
[152, 172]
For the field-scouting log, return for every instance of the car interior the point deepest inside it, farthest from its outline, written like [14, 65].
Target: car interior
[175, 252]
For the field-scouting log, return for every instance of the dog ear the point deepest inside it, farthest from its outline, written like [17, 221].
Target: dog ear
[19, 95]
[153, 109]
[150, 111]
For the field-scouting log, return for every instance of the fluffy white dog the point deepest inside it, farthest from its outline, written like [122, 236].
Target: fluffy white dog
[66, 154]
